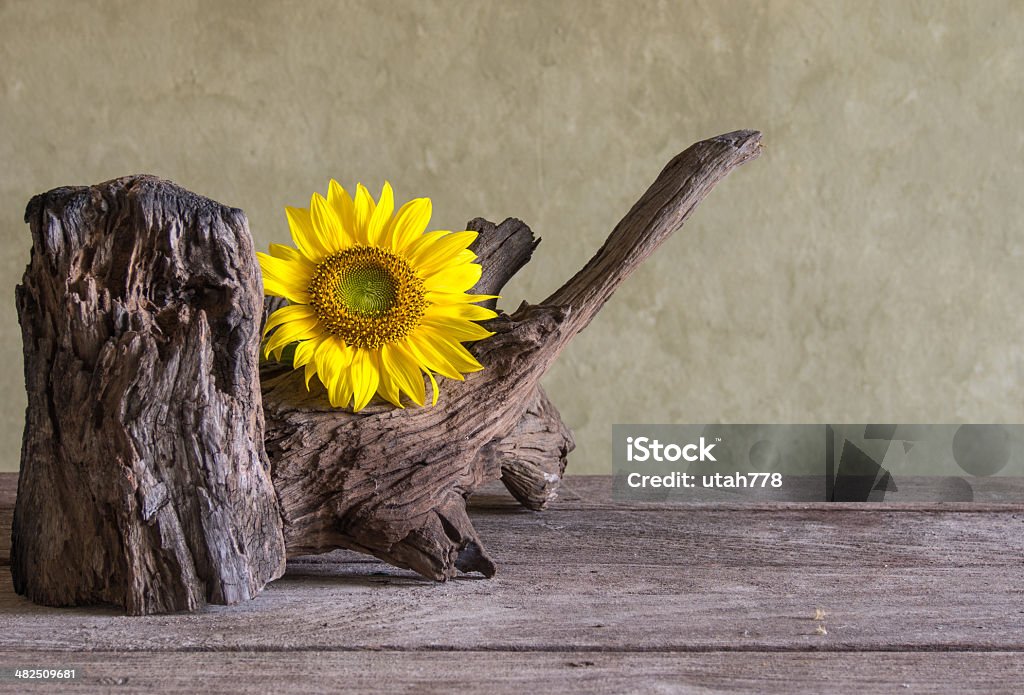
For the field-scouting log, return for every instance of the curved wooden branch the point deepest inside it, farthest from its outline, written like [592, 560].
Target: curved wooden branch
[393, 483]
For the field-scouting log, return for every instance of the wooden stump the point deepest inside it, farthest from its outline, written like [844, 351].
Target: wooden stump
[144, 481]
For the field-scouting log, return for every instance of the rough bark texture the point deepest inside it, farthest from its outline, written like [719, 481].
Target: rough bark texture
[532, 456]
[143, 479]
[393, 483]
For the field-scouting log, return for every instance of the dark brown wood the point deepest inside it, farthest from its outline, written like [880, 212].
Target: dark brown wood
[502, 250]
[393, 483]
[144, 482]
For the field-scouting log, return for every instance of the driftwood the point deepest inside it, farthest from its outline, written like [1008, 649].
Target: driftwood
[394, 483]
[144, 480]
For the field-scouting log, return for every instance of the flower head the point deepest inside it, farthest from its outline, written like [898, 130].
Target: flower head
[376, 301]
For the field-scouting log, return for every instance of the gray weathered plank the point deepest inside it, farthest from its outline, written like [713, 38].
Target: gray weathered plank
[592, 672]
[917, 493]
[707, 536]
[816, 531]
[576, 607]
[620, 579]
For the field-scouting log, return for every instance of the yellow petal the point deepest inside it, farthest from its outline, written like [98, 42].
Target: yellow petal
[456, 355]
[291, 312]
[425, 239]
[339, 199]
[326, 369]
[464, 256]
[457, 278]
[283, 277]
[433, 386]
[304, 235]
[328, 227]
[397, 362]
[427, 354]
[389, 388]
[296, 272]
[341, 389]
[285, 253]
[454, 328]
[409, 224]
[274, 289]
[381, 216]
[364, 207]
[301, 329]
[331, 358]
[469, 312]
[443, 252]
[304, 351]
[310, 370]
[458, 298]
[286, 279]
[365, 378]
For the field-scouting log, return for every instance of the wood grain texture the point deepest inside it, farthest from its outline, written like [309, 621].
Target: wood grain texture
[596, 596]
[532, 456]
[393, 483]
[641, 579]
[143, 479]
[597, 673]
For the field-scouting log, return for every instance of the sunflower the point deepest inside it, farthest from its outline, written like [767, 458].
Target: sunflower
[376, 301]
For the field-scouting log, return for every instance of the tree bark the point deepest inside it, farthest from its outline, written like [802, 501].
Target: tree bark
[144, 481]
[393, 483]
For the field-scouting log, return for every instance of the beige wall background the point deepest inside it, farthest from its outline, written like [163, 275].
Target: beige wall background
[867, 268]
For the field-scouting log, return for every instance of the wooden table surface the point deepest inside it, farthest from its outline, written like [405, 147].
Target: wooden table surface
[596, 596]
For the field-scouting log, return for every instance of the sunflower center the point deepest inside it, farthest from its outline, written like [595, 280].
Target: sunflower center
[366, 289]
[367, 296]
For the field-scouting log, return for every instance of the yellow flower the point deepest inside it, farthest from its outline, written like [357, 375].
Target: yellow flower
[375, 301]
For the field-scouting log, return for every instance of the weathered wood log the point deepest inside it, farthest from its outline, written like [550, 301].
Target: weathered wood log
[144, 481]
[532, 456]
[393, 483]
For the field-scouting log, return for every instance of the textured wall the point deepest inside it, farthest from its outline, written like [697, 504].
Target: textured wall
[867, 267]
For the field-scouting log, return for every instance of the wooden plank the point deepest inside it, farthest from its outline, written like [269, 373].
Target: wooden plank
[591, 672]
[575, 607]
[8, 493]
[797, 538]
[609, 578]
[8, 490]
[920, 493]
